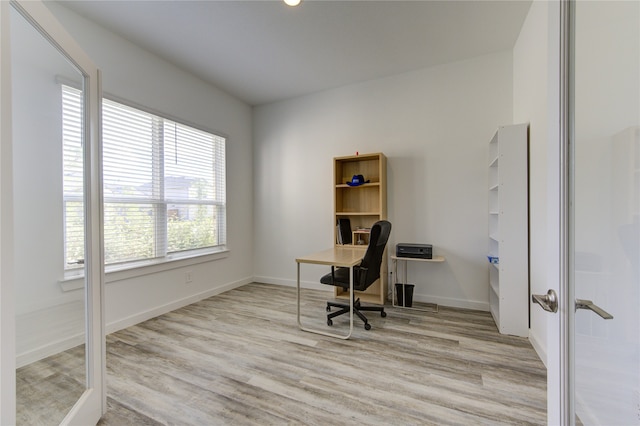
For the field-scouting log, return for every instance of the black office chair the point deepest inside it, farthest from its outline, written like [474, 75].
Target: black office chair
[365, 274]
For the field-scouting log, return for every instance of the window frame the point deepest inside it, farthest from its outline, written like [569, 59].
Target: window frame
[168, 260]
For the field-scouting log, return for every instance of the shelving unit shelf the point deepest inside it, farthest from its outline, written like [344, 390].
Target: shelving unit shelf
[363, 205]
[509, 229]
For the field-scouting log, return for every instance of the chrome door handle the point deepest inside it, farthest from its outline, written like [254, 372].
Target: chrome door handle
[588, 304]
[549, 301]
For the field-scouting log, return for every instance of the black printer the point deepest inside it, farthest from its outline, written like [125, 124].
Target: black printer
[418, 251]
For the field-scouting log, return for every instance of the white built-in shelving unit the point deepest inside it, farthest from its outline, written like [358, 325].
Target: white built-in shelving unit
[509, 229]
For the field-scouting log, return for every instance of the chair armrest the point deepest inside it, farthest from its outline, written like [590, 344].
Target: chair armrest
[361, 276]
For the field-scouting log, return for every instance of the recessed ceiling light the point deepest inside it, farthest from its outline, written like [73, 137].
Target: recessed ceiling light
[292, 2]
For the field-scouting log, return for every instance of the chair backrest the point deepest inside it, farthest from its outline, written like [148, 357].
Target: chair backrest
[372, 259]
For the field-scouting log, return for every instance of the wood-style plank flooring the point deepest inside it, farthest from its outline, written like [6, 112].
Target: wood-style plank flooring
[239, 359]
[46, 390]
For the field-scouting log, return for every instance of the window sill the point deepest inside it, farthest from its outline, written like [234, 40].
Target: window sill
[115, 273]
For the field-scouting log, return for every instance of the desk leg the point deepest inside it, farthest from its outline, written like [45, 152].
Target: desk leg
[405, 280]
[325, 333]
[352, 298]
[393, 284]
[298, 295]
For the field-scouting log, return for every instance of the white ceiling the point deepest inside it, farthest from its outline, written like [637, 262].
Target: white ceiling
[264, 51]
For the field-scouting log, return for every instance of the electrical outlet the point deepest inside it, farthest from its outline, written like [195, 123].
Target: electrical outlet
[187, 277]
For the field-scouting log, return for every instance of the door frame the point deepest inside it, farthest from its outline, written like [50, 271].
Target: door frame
[561, 328]
[558, 330]
[566, 292]
[7, 310]
[92, 404]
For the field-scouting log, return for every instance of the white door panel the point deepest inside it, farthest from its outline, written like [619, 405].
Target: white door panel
[39, 320]
[605, 211]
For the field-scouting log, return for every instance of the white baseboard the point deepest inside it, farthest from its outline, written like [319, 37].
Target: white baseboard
[48, 348]
[163, 309]
[48, 330]
[444, 301]
[538, 347]
[452, 302]
[66, 343]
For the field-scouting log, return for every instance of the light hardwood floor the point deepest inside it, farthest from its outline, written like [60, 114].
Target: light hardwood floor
[46, 390]
[239, 359]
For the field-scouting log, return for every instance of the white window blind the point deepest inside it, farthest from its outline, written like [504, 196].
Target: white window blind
[73, 175]
[164, 186]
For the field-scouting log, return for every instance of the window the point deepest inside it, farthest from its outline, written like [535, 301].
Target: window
[163, 184]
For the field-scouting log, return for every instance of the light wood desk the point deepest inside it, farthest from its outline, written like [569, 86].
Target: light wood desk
[346, 257]
[404, 281]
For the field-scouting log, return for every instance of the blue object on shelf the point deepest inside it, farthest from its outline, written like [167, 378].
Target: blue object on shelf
[494, 259]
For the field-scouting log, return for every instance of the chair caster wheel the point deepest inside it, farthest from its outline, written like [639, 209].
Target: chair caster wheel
[383, 314]
[367, 326]
[329, 322]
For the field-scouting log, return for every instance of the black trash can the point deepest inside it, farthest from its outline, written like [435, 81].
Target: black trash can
[405, 299]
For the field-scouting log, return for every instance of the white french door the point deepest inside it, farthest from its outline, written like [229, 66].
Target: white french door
[594, 339]
[604, 207]
[38, 318]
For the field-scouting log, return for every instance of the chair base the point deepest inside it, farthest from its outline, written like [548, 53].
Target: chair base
[357, 308]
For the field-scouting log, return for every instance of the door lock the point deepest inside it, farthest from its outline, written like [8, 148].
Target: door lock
[588, 304]
[549, 301]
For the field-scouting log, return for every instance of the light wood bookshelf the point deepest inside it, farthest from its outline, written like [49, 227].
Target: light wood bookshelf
[363, 205]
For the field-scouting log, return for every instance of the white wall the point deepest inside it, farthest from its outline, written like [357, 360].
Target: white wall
[142, 78]
[434, 125]
[530, 105]
[138, 76]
